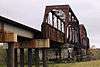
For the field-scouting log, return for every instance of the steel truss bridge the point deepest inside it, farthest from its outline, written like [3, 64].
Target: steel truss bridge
[61, 38]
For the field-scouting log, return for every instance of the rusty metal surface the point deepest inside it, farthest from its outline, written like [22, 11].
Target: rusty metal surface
[7, 37]
[57, 20]
[35, 43]
[61, 26]
[52, 33]
[84, 38]
[55, 28]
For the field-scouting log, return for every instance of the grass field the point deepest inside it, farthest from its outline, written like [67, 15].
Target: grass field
[77, 64]
[80, 64]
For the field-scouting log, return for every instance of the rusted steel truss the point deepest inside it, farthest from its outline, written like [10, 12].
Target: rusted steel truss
[83, 37]
[61, 26]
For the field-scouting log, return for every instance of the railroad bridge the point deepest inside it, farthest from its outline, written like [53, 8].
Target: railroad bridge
[61, 37]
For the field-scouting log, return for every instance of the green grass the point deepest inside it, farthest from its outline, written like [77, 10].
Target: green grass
[80, 64]
[1, 65]
[77, 64]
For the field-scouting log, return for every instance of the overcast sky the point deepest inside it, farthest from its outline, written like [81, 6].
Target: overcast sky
[30, 12]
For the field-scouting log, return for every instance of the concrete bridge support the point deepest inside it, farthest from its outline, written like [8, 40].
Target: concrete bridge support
[16, 57]
[44, 56]
[21, 57]
[10, 55]
[30, 57]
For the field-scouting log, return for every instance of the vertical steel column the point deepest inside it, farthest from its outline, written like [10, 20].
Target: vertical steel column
[44, 56]
[61, 26]
[16, 59]
[66, 23]
[21, 57]
[74, 35]
[29, 57]
[57, 24]
[10, 55]
[68, 34]
[52, 20]
[36, 57]
[76, 40]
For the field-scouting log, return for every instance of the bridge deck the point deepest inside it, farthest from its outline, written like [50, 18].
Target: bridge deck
[20, 29]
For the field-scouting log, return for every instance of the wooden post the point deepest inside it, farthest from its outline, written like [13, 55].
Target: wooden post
[16, 60]
[21, 57]
[36, 57]
[10, 55]
[44, 56]
[29, 57]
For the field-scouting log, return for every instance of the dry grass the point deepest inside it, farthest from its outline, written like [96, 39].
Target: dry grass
[77, 64]
[80, 64]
